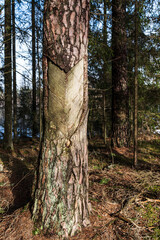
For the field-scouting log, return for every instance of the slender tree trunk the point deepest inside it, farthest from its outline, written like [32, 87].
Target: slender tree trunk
[8, 143]
[104, 116]
[104, 68]
[105, 23]
[120, 101]
[61, 196]
[14, 71]
[34, 112]
[40, 95]
[136, 87]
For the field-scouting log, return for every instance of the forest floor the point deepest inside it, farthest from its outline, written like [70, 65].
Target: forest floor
[125, 201]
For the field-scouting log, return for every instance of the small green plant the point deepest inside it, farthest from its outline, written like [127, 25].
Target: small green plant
[36, 231]
[1, 184]
[96, 167]
[113, 155]
[93, 199]
[154, 189]
[156, 234]
[104, 181]
[2, 210]
[150, 214]
[25, 208]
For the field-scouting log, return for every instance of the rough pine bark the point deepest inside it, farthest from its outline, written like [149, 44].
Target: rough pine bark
[61, 196]
[120, 121]
[8, 143]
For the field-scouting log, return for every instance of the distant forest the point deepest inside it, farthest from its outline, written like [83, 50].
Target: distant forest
[125, 38]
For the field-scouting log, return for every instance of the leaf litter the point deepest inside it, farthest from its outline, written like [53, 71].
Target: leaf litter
[125, 202]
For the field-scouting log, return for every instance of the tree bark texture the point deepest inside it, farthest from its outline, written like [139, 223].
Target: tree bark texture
[14, 71]
[136, 88]
[120, 121]
[34, 112]
[61, 196]
[40, 85]
[8, 144]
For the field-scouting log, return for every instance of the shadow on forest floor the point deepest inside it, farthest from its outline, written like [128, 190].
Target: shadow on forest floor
[19, 169]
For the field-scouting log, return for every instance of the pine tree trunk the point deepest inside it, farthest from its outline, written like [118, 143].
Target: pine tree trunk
[8, 144]
[40, 95]
[34, 113]
[105, 23]
[120, 101]
[105, 68]
[136, 88]
[14, 71]
[104, 117]
[61, 196]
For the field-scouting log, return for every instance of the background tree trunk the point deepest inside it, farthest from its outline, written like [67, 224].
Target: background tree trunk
[120, 121]
[61, 196]
[105, 68]
[14, 71]
[34, 112]
[8, 144]
[40, 85]
[136, 87]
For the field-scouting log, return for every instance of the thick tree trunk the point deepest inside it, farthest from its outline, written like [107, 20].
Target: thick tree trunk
[120, 121]
[8, 144]
[14, 71]
[61, 196]
[34, 112]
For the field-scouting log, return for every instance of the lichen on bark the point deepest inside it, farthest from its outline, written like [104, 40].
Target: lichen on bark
[61, 195]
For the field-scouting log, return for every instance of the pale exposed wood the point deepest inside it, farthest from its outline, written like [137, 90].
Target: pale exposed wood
[66, 95]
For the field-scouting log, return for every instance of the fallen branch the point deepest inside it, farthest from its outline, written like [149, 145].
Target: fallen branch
[151, 200]
[125, 219]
